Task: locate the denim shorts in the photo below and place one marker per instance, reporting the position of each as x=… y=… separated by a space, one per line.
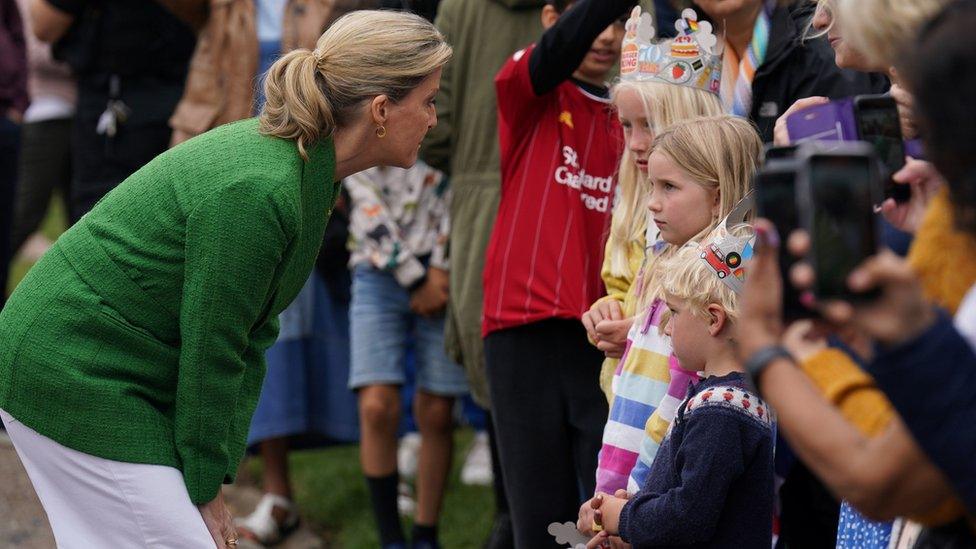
x=381 y=325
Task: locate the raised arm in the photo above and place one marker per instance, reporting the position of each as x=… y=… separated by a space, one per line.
x=564 y=45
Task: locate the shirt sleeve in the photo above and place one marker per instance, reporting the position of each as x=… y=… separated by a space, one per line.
x=564 y=45
x=373 y=230
x=617 y=286
x=657 y=425
x=235 y=240
x=842 y=382
x=931 y=382
x=518 y=105
x=712 y=455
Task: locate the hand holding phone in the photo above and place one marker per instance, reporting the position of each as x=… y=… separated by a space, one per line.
x=775 y=185
x=836 y=194
x=878 y=124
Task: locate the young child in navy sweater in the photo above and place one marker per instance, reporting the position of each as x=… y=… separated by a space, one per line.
x=711 y=484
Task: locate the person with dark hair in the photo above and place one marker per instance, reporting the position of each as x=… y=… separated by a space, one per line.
x=560 y=146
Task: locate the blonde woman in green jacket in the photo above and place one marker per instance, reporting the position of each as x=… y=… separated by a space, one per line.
x=132 y=355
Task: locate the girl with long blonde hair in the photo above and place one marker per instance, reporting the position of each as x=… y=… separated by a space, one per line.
x=645 y=108
x=697 y=172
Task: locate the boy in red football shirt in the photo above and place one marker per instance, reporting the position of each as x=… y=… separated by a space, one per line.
x=560 y=147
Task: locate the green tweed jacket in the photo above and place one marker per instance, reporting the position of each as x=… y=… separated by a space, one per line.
x=140 y=336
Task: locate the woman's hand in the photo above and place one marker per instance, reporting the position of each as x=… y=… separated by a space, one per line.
x=803 y=340
x=431 y=298
x=781 y=136
x=898 y=315
x=925 y=183
x=605 y=309
x=219 y=522
x=612 y=336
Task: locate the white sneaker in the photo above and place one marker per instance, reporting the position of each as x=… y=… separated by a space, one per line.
x=477 y=465
x=408 y=455
x=406 y=504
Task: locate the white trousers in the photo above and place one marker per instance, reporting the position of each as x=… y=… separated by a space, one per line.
x=95 y=503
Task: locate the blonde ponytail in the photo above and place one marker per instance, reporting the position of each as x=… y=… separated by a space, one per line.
x=296 y=105
x=364 y=54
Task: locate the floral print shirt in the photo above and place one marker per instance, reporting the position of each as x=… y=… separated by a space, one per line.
x=399 y=218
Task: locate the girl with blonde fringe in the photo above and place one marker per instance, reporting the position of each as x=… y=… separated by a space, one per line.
x=698 y=171
x=644 y=109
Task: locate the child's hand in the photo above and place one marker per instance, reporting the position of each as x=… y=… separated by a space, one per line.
x=612 y=336
x=603 y=540
x=588 y=515
x=607 y=309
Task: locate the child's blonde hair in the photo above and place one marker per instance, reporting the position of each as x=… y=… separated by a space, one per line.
x=718 y=152
x=664 y=105
x=687 y=277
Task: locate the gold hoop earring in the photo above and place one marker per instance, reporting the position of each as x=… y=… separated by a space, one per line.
x=381 y=131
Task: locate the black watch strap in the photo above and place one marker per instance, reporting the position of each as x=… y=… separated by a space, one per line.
x=756 y=364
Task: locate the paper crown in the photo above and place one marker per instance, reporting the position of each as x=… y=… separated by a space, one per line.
x=693 y=58
x=730 y=246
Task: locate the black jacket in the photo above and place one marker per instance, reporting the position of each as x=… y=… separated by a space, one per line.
x=795 y=68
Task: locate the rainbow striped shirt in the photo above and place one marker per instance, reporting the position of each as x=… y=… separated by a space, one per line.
x=639 y=383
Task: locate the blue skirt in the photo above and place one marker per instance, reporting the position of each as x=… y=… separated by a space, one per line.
x=305 y=392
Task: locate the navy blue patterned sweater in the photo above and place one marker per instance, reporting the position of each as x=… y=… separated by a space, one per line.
x=711 y=484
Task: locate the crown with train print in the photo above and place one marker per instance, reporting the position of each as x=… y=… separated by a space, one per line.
x=693 y=58
x=730 y=246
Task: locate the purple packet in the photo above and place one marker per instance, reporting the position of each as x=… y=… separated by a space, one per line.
x=832 y=121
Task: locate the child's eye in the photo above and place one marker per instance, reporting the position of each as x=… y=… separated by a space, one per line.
x=669 y=187
x=626 y=125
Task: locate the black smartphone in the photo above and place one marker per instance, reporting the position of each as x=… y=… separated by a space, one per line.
x=878 y=124
x=775 y=186
x=773 y=152
x=836 y=193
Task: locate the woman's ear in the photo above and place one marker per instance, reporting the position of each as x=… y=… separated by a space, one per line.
x=717 y=204
x=718 y=319
x=379 y=109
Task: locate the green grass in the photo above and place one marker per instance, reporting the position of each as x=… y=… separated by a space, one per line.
x=330 y=490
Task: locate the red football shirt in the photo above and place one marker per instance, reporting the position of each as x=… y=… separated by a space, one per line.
x=559 y=157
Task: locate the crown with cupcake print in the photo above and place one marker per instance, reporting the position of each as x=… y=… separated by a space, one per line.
x=693 y=58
